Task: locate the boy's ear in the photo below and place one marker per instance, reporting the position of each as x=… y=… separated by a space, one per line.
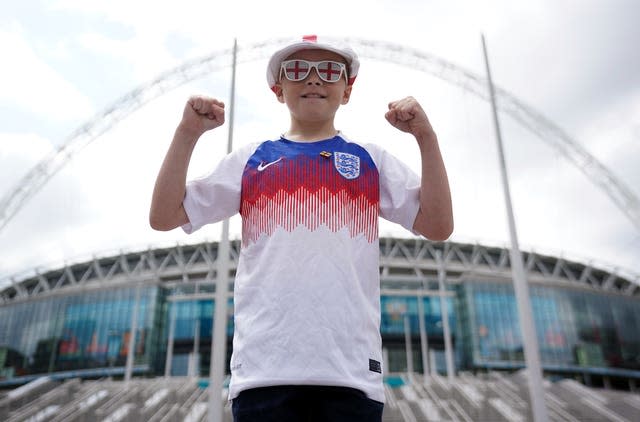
x=277 y=89
x=346 y=95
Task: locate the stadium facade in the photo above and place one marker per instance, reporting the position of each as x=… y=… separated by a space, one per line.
x=443 y=305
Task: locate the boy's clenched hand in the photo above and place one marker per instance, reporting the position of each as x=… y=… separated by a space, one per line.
x=202 y=114
x=408 y=116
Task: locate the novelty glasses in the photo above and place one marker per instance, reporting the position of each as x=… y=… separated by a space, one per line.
x=297 y=70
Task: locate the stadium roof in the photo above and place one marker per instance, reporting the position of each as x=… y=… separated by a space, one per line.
x=404 y=263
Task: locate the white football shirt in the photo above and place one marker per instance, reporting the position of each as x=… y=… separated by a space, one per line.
x=307 y=287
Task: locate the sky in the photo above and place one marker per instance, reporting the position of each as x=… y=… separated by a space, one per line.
x=574 y=62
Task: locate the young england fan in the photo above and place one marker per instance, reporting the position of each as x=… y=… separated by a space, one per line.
x=307 y=342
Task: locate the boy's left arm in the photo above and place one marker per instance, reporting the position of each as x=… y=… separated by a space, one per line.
x=435 y=216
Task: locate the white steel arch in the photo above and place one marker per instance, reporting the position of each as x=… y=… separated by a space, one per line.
x=507 y=103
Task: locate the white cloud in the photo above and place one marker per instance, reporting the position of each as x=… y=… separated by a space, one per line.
x=27 y=82
x=146 y=55
x=100 y=201
x=19 y=152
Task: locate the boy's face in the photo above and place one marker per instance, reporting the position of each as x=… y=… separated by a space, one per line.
x=313 y=99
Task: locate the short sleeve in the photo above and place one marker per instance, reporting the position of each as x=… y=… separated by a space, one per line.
x=399 y=188
x=216 y=196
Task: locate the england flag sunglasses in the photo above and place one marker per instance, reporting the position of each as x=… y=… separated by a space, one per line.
x=297 y=70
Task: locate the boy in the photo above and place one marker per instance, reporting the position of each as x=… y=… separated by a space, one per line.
x=306 y=294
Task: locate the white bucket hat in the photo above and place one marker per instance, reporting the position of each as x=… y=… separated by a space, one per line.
x=312 y=42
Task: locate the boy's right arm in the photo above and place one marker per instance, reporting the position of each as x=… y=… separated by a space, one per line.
x=200 y=115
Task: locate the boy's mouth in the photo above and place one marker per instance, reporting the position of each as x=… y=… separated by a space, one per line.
x=313 y=95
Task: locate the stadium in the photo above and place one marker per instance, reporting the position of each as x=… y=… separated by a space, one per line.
x=78 y=321
x=94 y=339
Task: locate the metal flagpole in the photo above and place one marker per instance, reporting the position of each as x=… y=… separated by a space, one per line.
x=219 y=337
x=529 y=338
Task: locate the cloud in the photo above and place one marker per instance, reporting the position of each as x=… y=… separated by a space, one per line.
x=34 y=233
x=27 y=82
x=540 y=51
x=20 y=151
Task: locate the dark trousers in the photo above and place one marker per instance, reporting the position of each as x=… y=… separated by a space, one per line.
x=294 y=403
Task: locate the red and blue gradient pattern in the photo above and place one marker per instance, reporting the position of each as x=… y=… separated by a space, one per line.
x=289 y=184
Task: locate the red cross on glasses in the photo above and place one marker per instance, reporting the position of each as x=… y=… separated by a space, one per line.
x=297 y=70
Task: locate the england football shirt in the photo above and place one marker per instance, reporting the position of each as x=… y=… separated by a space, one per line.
x=307 y=289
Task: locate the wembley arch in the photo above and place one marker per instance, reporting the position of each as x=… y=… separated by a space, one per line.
x=624 y=199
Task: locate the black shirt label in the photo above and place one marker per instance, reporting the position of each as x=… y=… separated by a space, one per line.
x=375 y=366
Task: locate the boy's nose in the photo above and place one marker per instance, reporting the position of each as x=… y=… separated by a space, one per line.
x=313 y=78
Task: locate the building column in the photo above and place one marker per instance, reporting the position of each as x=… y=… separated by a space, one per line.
x=407 y=343
x=132 y=336
x=424 y=340
x=444 y=310
x=172 y=327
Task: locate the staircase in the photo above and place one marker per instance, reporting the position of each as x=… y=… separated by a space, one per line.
x=413 y=398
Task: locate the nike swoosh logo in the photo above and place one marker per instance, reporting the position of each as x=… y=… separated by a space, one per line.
x=263 y=166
